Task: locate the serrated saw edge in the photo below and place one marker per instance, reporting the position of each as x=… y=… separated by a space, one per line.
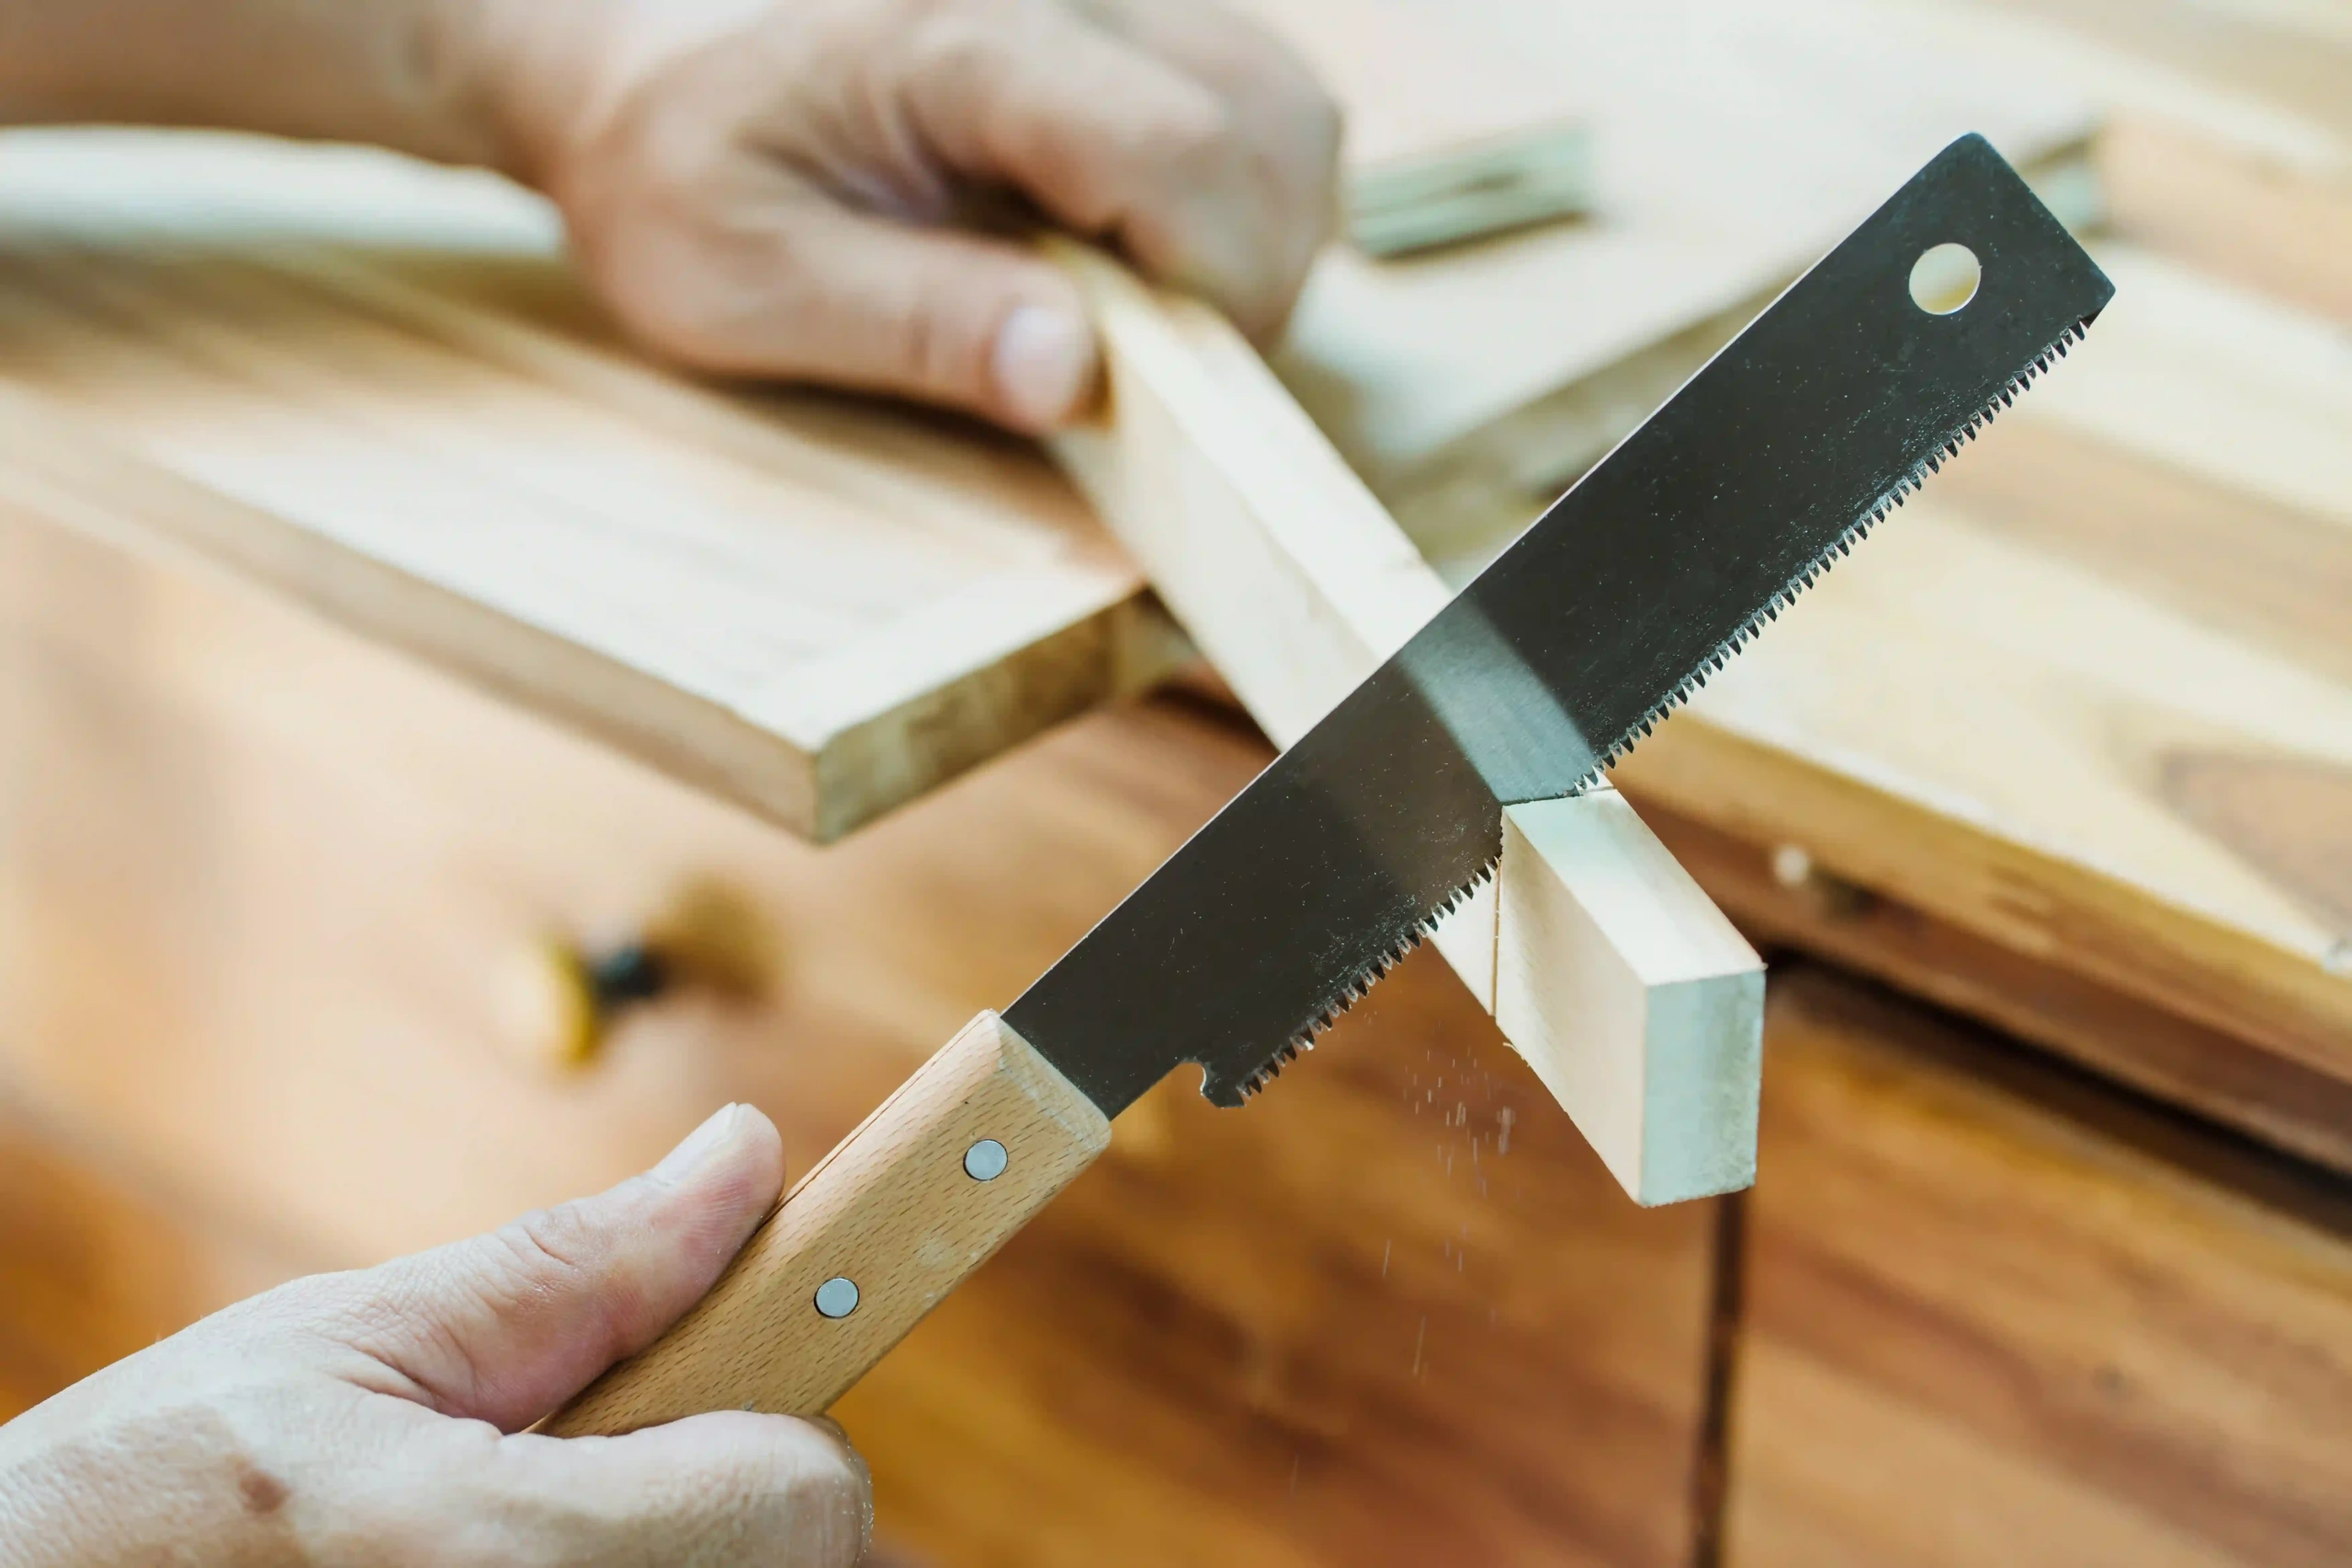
x=1878 y=512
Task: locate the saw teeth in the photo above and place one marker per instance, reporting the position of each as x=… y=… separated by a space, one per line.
x=1361 y=986
x=1902 y=490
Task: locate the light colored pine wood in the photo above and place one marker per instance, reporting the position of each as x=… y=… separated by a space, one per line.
x=2294 y=54
x=896 y=1209
x=1297 y=585
x=1594 y=909
x=1253 y=529
x=1997 y=1317
x=819 y=607
x=2220 y=383
x=2231 y=211
x=1446 y=140
x=2125 y=71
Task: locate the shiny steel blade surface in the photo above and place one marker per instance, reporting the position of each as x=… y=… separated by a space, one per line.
x=1657 y=567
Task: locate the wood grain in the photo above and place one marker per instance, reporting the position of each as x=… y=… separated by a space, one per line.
x=2257 y=221
x=1400 y=1277
x=1297 y=585
x=1395 y=1313
x=819 y=607
x=1594 y=938
x=2105 y=718
x=894 y=1211
x=1784 y=903
x=2268 y=575
x=2296 y=55
x=2047 y=834
x=2216 y=383
x=1736 y=144
x=2017 y=1321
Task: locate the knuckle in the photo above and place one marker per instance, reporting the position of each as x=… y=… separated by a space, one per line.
x=551 y=1246
x=934 y=340
x=695 y=289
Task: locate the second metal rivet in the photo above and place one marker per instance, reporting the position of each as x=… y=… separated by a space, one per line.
x=837 y=1297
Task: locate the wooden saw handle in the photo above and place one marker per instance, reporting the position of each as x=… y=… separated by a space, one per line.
x=902 y=1210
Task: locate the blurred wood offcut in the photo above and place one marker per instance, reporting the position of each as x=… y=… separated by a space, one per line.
x=443 y=756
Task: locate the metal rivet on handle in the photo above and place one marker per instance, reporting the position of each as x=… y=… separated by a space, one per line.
x=986 y=1160
x=837 y=1297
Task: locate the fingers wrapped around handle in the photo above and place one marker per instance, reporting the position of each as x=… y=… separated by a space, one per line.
x=923 y=1192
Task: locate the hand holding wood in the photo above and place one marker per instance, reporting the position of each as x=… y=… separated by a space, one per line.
x=773 y=189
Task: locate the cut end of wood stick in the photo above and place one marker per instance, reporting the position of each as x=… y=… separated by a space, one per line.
x=1632 y=996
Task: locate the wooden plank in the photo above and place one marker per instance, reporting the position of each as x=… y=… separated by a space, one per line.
x=1736 y=144
x=2225 y=388
x=2144 y=651
x=2230 y=212
x=2000 y=1315
x=2184 y=852
x=2123 y=71
x=1396 y=1308
x=1297 y=585
x=821 y=608
x=2296 y=54
x=1783 y=901
x=1446 y=139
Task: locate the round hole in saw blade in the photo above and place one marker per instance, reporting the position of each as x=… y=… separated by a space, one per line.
x=1944 y=278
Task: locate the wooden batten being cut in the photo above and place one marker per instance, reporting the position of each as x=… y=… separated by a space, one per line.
x=1594 y=909
x=1627 y=991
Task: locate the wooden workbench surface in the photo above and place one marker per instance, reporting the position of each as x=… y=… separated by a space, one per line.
x=2089 y=700
x=377 y=389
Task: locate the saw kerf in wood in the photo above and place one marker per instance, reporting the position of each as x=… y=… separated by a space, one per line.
x=1606 y=967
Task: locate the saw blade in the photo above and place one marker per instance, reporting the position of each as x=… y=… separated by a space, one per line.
x=1661 y=563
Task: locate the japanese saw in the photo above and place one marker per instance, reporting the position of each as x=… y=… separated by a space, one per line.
x=1659 y=565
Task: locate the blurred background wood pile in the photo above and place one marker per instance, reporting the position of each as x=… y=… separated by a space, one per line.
x=2042 y=803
